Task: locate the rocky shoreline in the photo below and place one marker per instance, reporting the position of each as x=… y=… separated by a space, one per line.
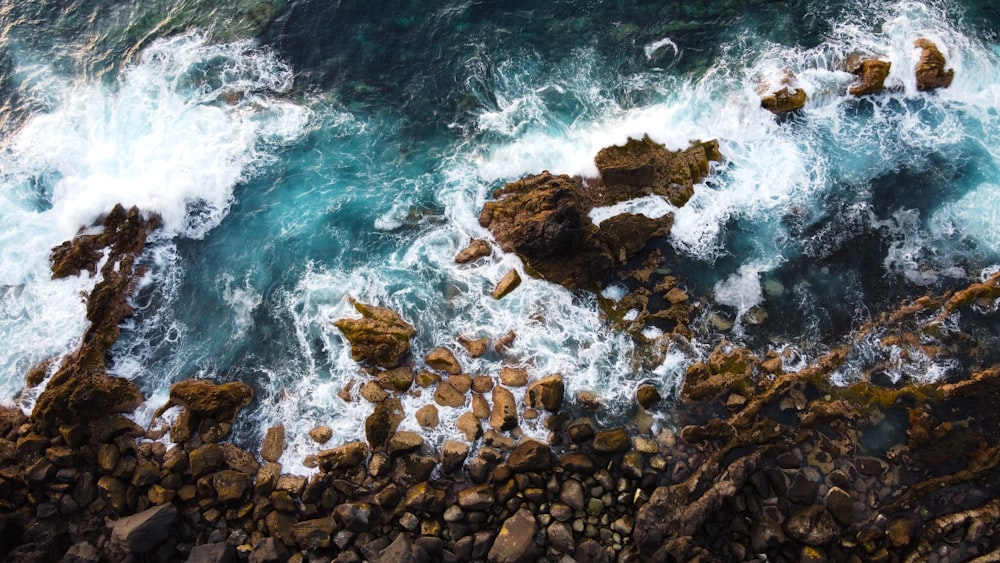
x=765 y=457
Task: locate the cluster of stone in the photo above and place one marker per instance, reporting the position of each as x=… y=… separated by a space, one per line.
x=787 y=96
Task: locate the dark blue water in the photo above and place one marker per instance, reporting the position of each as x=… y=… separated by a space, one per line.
x=308 y=152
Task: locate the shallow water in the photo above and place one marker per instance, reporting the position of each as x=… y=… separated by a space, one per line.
x=348 y=150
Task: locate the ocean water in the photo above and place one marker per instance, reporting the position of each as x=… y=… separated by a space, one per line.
x=306 y=152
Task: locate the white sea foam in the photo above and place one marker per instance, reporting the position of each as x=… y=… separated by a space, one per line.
x=175 y=134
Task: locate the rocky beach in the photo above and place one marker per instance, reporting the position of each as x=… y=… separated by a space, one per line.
x=505 y=283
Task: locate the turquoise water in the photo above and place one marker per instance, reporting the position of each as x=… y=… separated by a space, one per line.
x=345 y=149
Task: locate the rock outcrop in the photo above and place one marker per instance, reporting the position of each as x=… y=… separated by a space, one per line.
x=783 y=96
x=81 y=390
x=930 y=70
x=545 y=219
x=871 y=75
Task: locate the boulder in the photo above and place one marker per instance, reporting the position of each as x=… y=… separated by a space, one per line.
x=382 y=423
x=648 y=396
x=447 y=396
x=141 y=532
x=515 y=543
x=269 y=550
x=530 y=456
x=930 y=71
x=442 y=359
x=479 y=497
x=380 y=336
x=230 y=485
x=427 y=416
x=507 y=284
x=871 y=75
x=513 y=377
x=274 y=443
x=313 y=534
x=453 y=455
x=397 y=379
x=347 y=456
x=476 y=249
x=546 y=393
x=782 y=95
x=210 y=400
x=812 y=525
x=355 y=516
x=468 y=424
x=504 y=414
x=476 y=347
x=615 y=440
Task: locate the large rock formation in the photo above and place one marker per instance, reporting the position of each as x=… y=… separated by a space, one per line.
x=545 y=218
x=871 y=75
x=81 y=390
x=930 y=71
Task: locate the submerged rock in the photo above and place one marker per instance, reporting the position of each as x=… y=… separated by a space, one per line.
x=380 y=336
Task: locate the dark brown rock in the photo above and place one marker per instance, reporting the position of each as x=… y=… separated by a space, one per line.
x=380 y=336
x=648 y=396
x=142 y=532
x=930 y=71
x=530 y=456
x=219 y=552
x=546 y=393
x=479 y=497
x=783 y=97
x=382 y=423
x=453 y=455
x=813 y=526
x=515 y=543
x=347 y=456
x=313 y=534
x=269 y=550
x=615 y=440
x=397 y=379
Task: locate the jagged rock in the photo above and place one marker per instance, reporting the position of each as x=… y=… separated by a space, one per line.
x=209 y=400
x=591 y=551
x=516 y=541
x=476 y=347
x=142 y=532
x=230 y=485
x=479 y=497
x=442 y=359
x=871 y=75
x=404 y=442
x=546 y=393
x=784 y=96
x=402 y=550
x=424 y=498
x=545 y=218
x=313 y=534
x=274 y=443
x=504 y=414
x=476 y=249
x=380 y=336
x=382 y=423
x=354 y=516
x=82 y=552
x=530 y=455
x=930 y=71
x=507 y=284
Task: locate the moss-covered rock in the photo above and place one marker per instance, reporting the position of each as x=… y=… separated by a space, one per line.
x=380 y=336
